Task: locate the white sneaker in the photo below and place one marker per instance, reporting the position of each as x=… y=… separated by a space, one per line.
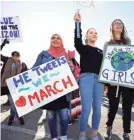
x=55 y=139
x=82 y=138
x=108 y=133
x=126 y=136
x=63 y=137
x=95 y=138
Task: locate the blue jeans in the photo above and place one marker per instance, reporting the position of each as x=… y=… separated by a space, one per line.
x=91 y=92
x=52 y=122
x=13 y=112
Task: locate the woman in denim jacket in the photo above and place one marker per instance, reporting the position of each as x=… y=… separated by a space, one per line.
x=60 y=105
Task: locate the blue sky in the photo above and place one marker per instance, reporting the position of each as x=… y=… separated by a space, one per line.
x=123 y=10
x=39 y=20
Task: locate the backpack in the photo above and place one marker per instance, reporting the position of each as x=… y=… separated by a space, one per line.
x=24 y=67
x=76 y=71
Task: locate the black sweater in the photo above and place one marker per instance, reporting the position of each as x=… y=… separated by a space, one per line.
x=90 y=57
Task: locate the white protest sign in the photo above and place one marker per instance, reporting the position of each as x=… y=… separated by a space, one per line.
x=118 y=66
x=10 y=28
x=41 y=85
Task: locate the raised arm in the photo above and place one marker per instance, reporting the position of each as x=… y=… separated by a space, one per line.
x=4 y=58
x=5 y=41
x=78 y=39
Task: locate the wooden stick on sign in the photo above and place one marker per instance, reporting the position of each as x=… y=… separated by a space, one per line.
x=117 y=91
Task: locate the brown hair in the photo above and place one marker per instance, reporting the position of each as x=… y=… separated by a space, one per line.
x=124 y=37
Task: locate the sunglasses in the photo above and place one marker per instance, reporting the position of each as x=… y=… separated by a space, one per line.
x=118 y=23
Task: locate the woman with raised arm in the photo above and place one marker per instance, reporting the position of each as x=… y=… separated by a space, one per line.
x=91 y=90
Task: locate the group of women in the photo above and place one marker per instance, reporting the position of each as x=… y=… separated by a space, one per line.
x=91 y=90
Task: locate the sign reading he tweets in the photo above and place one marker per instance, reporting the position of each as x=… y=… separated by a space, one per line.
x=10 y=28
x=41 y=85
x=118 y=66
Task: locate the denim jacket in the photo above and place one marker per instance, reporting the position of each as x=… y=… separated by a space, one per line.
x=42 y=58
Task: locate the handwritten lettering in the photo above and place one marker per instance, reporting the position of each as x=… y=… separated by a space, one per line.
x=11 y=34
x=50 y=90
x=7 y=20
x=117 y=76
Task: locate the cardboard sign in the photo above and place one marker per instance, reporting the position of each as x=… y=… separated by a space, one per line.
x=10 y=28
x=41 y=85
x=118 y=66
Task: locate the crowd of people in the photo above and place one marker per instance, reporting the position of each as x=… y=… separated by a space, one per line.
x=90 y=92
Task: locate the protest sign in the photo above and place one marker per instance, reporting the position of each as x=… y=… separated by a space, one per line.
x=10 y=28
x=41 y=85
x=118 y=66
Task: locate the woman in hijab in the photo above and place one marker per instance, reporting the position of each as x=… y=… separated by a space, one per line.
x=60 y=105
